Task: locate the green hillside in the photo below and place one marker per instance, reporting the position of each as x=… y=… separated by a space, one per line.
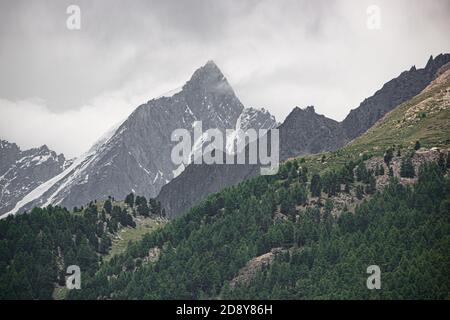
x=311 y=231
x=36 y=248
x=424 y=118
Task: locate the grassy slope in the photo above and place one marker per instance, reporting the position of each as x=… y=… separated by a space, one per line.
x=120 y=241
x=126 y=235
x=424 y=118
x=143 y=226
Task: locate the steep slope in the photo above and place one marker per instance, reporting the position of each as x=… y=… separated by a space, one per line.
x=136 y=157
x=424 y=118
x=303 y=132
x=398 y=90
x=270 y=237
x=22 y=171
x=306 y=132
x=326 y=252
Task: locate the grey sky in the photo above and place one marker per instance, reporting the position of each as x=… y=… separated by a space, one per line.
x=65 y=88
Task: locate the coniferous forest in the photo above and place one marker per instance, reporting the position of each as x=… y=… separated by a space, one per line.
x=318 y=251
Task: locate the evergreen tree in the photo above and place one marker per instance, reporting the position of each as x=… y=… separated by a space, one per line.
x=361 y=172
x=143 y=209
x=359 y=192
x=391 y=172
x=140 y=200
x=407 y=168
x=371 y=186
x=388 y=155
x=448 y=160
x=417 y=145
x=316 y=186
x=129 y=200
x=441 y=162
x=107 y=206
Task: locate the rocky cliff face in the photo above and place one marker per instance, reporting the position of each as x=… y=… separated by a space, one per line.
x=303 y=132
x=393 y=93
x=136 y=156
x=22 y=171
x=306 y=132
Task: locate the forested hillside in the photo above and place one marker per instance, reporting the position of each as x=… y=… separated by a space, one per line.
x=322 y=220
x=308 y=232
x=405 y=230
x=37 y=247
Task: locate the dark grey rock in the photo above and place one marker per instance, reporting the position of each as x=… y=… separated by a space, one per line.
x=393 y=93
x=22 y=171
x=306 y=132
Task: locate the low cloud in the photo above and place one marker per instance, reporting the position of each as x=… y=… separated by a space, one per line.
x=275 y=54
x=30 y=123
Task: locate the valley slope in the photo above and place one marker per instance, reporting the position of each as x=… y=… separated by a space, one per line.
x=311 y=245
x=303 y=132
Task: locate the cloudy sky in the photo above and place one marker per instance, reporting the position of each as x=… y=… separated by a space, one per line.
x=65 y=88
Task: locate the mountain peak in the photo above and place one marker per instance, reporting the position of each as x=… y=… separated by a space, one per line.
x=211 y=63
x=435 y=63
x=206 y=76
x=310 y=109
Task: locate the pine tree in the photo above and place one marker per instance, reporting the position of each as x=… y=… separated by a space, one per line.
x=448 y=160
x=316 y=186
x=143 y=209
x=441 y=162
x=391 y=172
x=417 y=145
x=361 y=172
x=107 y=206
x=407 y=168
x=388 y=156
x=359 y=192
x=140 y=200
x=129 y=200
x=371 y=186
x=347 y=188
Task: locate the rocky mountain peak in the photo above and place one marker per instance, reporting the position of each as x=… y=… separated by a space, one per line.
x=136 y=157
x=303 y=114
x=310 y=109
x=43 y=148
x=209 y=96
x=22 y=171
x=304 y=131
x=206 y=77
x=434 y=64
